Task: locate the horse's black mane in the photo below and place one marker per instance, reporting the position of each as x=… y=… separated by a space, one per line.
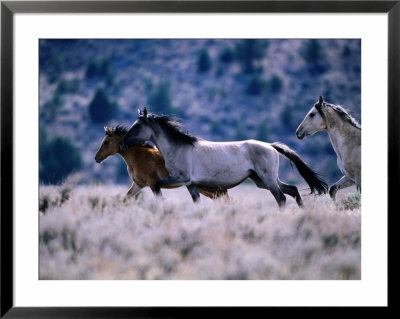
x=122 y=130
x=342 y=112
x=173 y=128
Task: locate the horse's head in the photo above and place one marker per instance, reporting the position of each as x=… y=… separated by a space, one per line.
x=139 y=132
x=109 y=146
x=314 y=120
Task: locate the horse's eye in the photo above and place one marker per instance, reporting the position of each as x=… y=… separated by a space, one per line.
x=106 y=142
x=312 y=114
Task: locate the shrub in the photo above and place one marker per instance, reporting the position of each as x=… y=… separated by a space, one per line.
x=58 y=158
x=47 y=202
x=203 y=61
x=352 y=201
x=101 y=109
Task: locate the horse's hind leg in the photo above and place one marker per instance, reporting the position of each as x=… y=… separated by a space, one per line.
x=292 y=191
x=279 y=196
x=267 y=183
x=340 y=184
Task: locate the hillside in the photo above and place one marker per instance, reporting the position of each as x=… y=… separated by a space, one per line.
x=221 y=89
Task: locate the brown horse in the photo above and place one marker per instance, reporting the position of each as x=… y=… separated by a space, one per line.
x=144 y=162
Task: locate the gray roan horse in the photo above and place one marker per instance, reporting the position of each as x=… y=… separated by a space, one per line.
x=345 y=135
x=195 y=162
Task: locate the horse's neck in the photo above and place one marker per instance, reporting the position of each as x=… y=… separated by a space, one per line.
x=169 y=152
x=129 y=156
x=339 y=132
x=163 y=145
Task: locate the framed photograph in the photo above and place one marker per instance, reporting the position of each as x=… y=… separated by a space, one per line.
x=165 y=157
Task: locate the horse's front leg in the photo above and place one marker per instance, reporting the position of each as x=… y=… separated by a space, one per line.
x=340 y=184
x=194 y=192
x=135 y=188
x=156 y=191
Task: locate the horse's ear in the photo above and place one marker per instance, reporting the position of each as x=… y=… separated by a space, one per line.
x=139 y=112
x=321 y=100
x=108 y=130
x=145 y=112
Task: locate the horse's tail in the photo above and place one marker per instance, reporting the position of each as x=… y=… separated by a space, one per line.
x=312 y=178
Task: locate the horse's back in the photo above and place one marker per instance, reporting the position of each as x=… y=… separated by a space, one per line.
x=230 y=161
x=227 y=152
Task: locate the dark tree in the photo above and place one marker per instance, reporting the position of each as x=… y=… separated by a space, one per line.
x=58 y=158
x=227 y=55
x=263 y=132
x=248 y=52
x=98 y=69
x=203 y=61
x=160 y=99
x=255 y=86
x=101 y=109
x=275 y=84
x=314 y=56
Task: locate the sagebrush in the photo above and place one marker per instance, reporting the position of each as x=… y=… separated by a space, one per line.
x=90 y=232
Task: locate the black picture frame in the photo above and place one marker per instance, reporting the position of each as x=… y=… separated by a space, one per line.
x=9 y=8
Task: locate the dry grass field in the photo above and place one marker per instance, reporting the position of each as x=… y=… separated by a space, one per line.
x=89 y=232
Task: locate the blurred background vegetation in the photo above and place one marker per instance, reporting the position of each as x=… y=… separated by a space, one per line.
x=222 y=90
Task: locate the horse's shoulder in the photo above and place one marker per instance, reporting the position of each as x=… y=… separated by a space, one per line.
x=155 y=154
x=153 y=159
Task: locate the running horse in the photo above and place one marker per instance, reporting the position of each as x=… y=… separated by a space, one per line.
x=192 y=161
x=144 y=162
x=345 y=135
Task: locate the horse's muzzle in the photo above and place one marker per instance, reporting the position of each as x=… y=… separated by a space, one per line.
x=97 y=160
x=299 y=136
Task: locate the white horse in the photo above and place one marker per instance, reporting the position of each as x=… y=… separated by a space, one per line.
x=345 y=135
x=192 y=161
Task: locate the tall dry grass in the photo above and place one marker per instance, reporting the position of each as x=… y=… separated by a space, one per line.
x=89 y=232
